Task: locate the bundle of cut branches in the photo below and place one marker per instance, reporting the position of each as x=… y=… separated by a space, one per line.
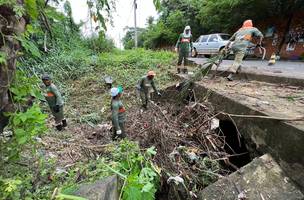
x=203 y=70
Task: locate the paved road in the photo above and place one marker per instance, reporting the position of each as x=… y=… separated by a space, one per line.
x=281 y=68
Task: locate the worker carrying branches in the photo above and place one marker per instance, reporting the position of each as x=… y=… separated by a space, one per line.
x=183 y=47
x=241 y=40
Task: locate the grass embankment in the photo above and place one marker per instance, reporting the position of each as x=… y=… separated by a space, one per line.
x=84 y=152
x=88 y=97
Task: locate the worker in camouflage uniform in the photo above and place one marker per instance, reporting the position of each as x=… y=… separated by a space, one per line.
x=145 y=86
x=183 y=47
x=118 y=114
x=55 y=101
x=241 y=40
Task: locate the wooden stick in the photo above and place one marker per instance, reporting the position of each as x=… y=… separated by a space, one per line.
x=265 y=117
x=160 y=110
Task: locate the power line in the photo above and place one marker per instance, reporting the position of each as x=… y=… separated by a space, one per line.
x=135 y=25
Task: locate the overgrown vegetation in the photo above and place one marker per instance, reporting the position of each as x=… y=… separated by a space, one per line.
x=140 y=177
x=126 y=68
x=28 y=171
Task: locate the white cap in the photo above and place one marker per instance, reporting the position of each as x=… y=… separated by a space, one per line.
x=187 y=28
x=114 y=92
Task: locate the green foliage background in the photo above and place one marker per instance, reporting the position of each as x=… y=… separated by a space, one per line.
x=209 y=16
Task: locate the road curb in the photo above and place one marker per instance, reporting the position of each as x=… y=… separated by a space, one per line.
x=282 y=80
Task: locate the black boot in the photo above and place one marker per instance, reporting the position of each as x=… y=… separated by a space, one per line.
x=185 y=71
x=64 y=123
x=59 y=127
x=239 y=69
x=178 y=70
x=145 y=107
x=230 y=77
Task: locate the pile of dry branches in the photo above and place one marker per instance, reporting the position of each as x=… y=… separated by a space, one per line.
x=187 y=142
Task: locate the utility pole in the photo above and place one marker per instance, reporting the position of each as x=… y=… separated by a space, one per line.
x=135 y=26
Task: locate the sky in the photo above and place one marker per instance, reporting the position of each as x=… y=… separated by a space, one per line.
x=122 y=17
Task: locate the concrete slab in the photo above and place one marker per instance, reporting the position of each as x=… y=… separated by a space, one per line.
x=262 y=179
x=106 y=189
x=283 y=140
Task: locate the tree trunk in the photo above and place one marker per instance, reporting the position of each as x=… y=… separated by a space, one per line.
x=10 y=26
x=287 y=28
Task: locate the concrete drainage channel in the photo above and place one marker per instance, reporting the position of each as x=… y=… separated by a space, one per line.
x=267 y=154
x=274 y=162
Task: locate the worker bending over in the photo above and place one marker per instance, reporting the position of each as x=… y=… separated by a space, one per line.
x=145 y=86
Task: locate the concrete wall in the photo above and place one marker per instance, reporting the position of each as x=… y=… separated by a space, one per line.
x=282 y=140
x=296 y=34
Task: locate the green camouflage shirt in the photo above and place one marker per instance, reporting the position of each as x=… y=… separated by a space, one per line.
x=118 y=113
x=53 y=96
x=243 y=37
x=146 y=84
x=184 y=43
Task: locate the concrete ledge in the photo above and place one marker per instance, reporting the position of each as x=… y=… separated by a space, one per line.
x=261 y=179
x=267 y=77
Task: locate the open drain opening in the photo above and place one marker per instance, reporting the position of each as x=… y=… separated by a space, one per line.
x=235 y=144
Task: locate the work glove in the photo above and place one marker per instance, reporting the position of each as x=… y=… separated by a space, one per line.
x=118 y=132
x=176 y=49
x=159 y=94
x=56 y=108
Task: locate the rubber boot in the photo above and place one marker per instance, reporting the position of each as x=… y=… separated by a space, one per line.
x=230 y=77
x=59 y=127
x=64 y=123
x=178 y=70
x=239 y=69
x=145 y=107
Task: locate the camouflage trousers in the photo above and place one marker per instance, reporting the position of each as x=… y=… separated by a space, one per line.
x=58 y=115
x=145 y=98
x=182 y=57
x=239 y=55
x=122 y=128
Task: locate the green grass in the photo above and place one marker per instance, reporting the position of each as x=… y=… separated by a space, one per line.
x=127 y=67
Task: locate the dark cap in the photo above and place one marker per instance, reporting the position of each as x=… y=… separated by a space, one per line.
x=46 y=77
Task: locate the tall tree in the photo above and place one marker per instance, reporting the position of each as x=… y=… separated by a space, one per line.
x=12 y=24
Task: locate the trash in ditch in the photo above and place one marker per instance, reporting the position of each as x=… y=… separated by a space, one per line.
x=215 y=123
